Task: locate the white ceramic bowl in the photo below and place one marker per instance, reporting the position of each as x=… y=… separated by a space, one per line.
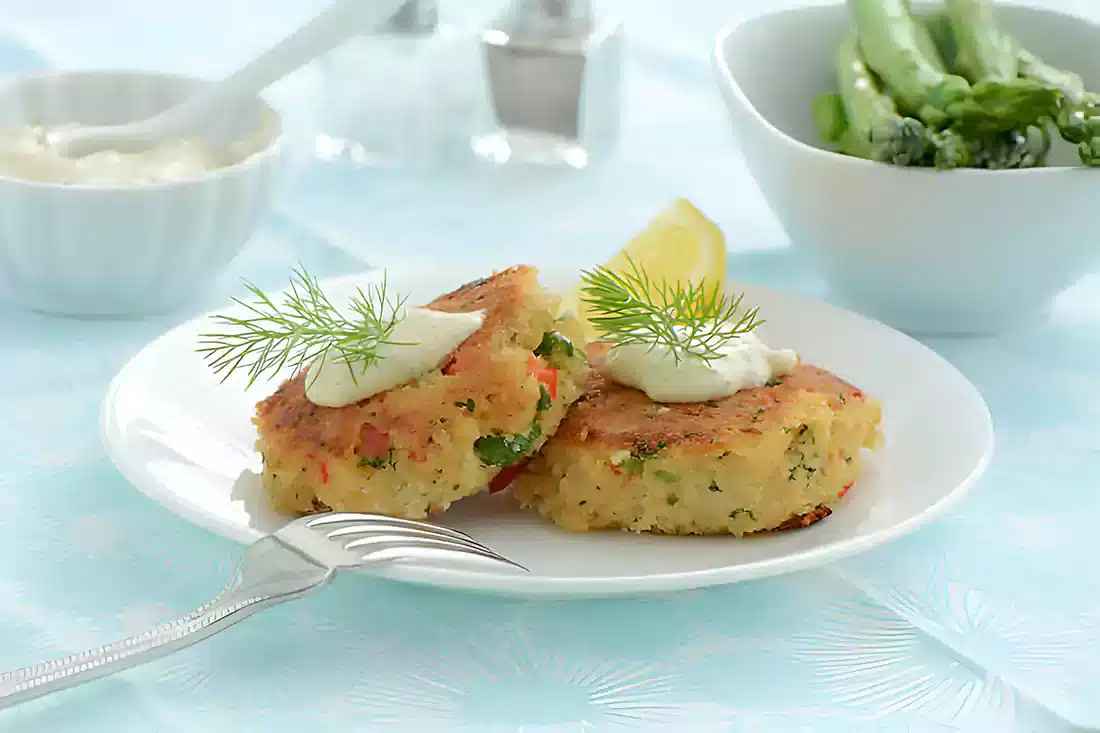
x=92 y=250
x=960 y=252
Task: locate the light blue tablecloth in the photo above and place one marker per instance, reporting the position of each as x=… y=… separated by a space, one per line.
x=988 y=621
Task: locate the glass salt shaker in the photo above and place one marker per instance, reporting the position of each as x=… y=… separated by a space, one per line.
x=554 y=74
x=406 y=96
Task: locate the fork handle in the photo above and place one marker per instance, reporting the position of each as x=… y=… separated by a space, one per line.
x=244 y=595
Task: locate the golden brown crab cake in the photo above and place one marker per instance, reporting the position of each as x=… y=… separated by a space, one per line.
x=414 y=449
x=776 y=457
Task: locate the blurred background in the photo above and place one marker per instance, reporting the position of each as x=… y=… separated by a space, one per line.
x=667 y=79
x=668 y=88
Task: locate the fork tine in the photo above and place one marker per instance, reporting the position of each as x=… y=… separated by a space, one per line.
x=400 y=534
x=378 y=538
x=380 y=520
x=319 y=520
x=395 y=544
x=410 y=532
x=398 y=553
x=416 y=530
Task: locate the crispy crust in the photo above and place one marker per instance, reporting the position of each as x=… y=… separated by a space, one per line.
x=503 y=297
x=801 y=521
x=612 y=417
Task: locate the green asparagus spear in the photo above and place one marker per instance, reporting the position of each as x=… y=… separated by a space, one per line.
x=1035 y=146
x=1028 y=65
x=1006 y=113
x=872 y=115
x=849 y=145
x=828 y=111
x=996 y=107
x=1078 y=118
x=1015 y=149
x=1012 y=149
x=902 y=141
x=952 y=150
x=939 y=30
x=832 y=126
x=983 y=52
x=1090 y=152
x=1078 y=123
x=901 y=52
x=1069 y=84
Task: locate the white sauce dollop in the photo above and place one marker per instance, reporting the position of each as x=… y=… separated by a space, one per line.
x=25 y=155
x=421 y=340
x=745 y=362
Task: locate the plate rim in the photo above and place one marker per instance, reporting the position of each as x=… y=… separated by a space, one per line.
x=518 y=585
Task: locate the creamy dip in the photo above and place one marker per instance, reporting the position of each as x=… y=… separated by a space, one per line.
x=419 y=343
x=744 y=362
x=25 y=155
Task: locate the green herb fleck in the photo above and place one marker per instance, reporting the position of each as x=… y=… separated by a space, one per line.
x=506 y=450
x=738 y=512
x=672 y=499
x=842 y=398
x=554 y=344
x=710 y=403
x=774 y=382
x=667 y=476
x=378 y=461
x=544 y=399
x=725 y=454
x=796 y=452
x=640 y=455
x=802 y=464
x=848 y=459
x=715 y=487
x=646 y=452
x=467 y=405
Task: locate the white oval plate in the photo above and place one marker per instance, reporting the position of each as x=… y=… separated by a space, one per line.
x=186 y=440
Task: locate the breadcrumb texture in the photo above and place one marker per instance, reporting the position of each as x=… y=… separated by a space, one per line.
x=410 y=451
x=772 y=458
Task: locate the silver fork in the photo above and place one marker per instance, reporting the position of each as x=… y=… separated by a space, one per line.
x=296 y=560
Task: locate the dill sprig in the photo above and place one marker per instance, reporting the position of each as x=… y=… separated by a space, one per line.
x=302 y=329
x=688 y=319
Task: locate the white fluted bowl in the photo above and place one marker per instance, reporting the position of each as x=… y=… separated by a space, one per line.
x=126 y=250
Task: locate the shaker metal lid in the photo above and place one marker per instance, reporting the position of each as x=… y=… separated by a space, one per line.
x=415 y=16
x=544 y=14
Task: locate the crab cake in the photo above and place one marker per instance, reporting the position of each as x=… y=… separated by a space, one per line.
x=774 y=457
x=414 y=449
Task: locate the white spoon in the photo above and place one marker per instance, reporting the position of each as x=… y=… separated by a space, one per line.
x=329 y=29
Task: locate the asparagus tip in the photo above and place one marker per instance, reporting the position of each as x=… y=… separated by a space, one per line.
x=952 y=151
x=904 y=142
x=1089 y=152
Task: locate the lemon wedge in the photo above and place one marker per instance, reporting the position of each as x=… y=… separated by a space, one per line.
x=679 y=245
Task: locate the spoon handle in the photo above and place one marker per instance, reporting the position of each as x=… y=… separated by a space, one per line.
x=328 y=29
